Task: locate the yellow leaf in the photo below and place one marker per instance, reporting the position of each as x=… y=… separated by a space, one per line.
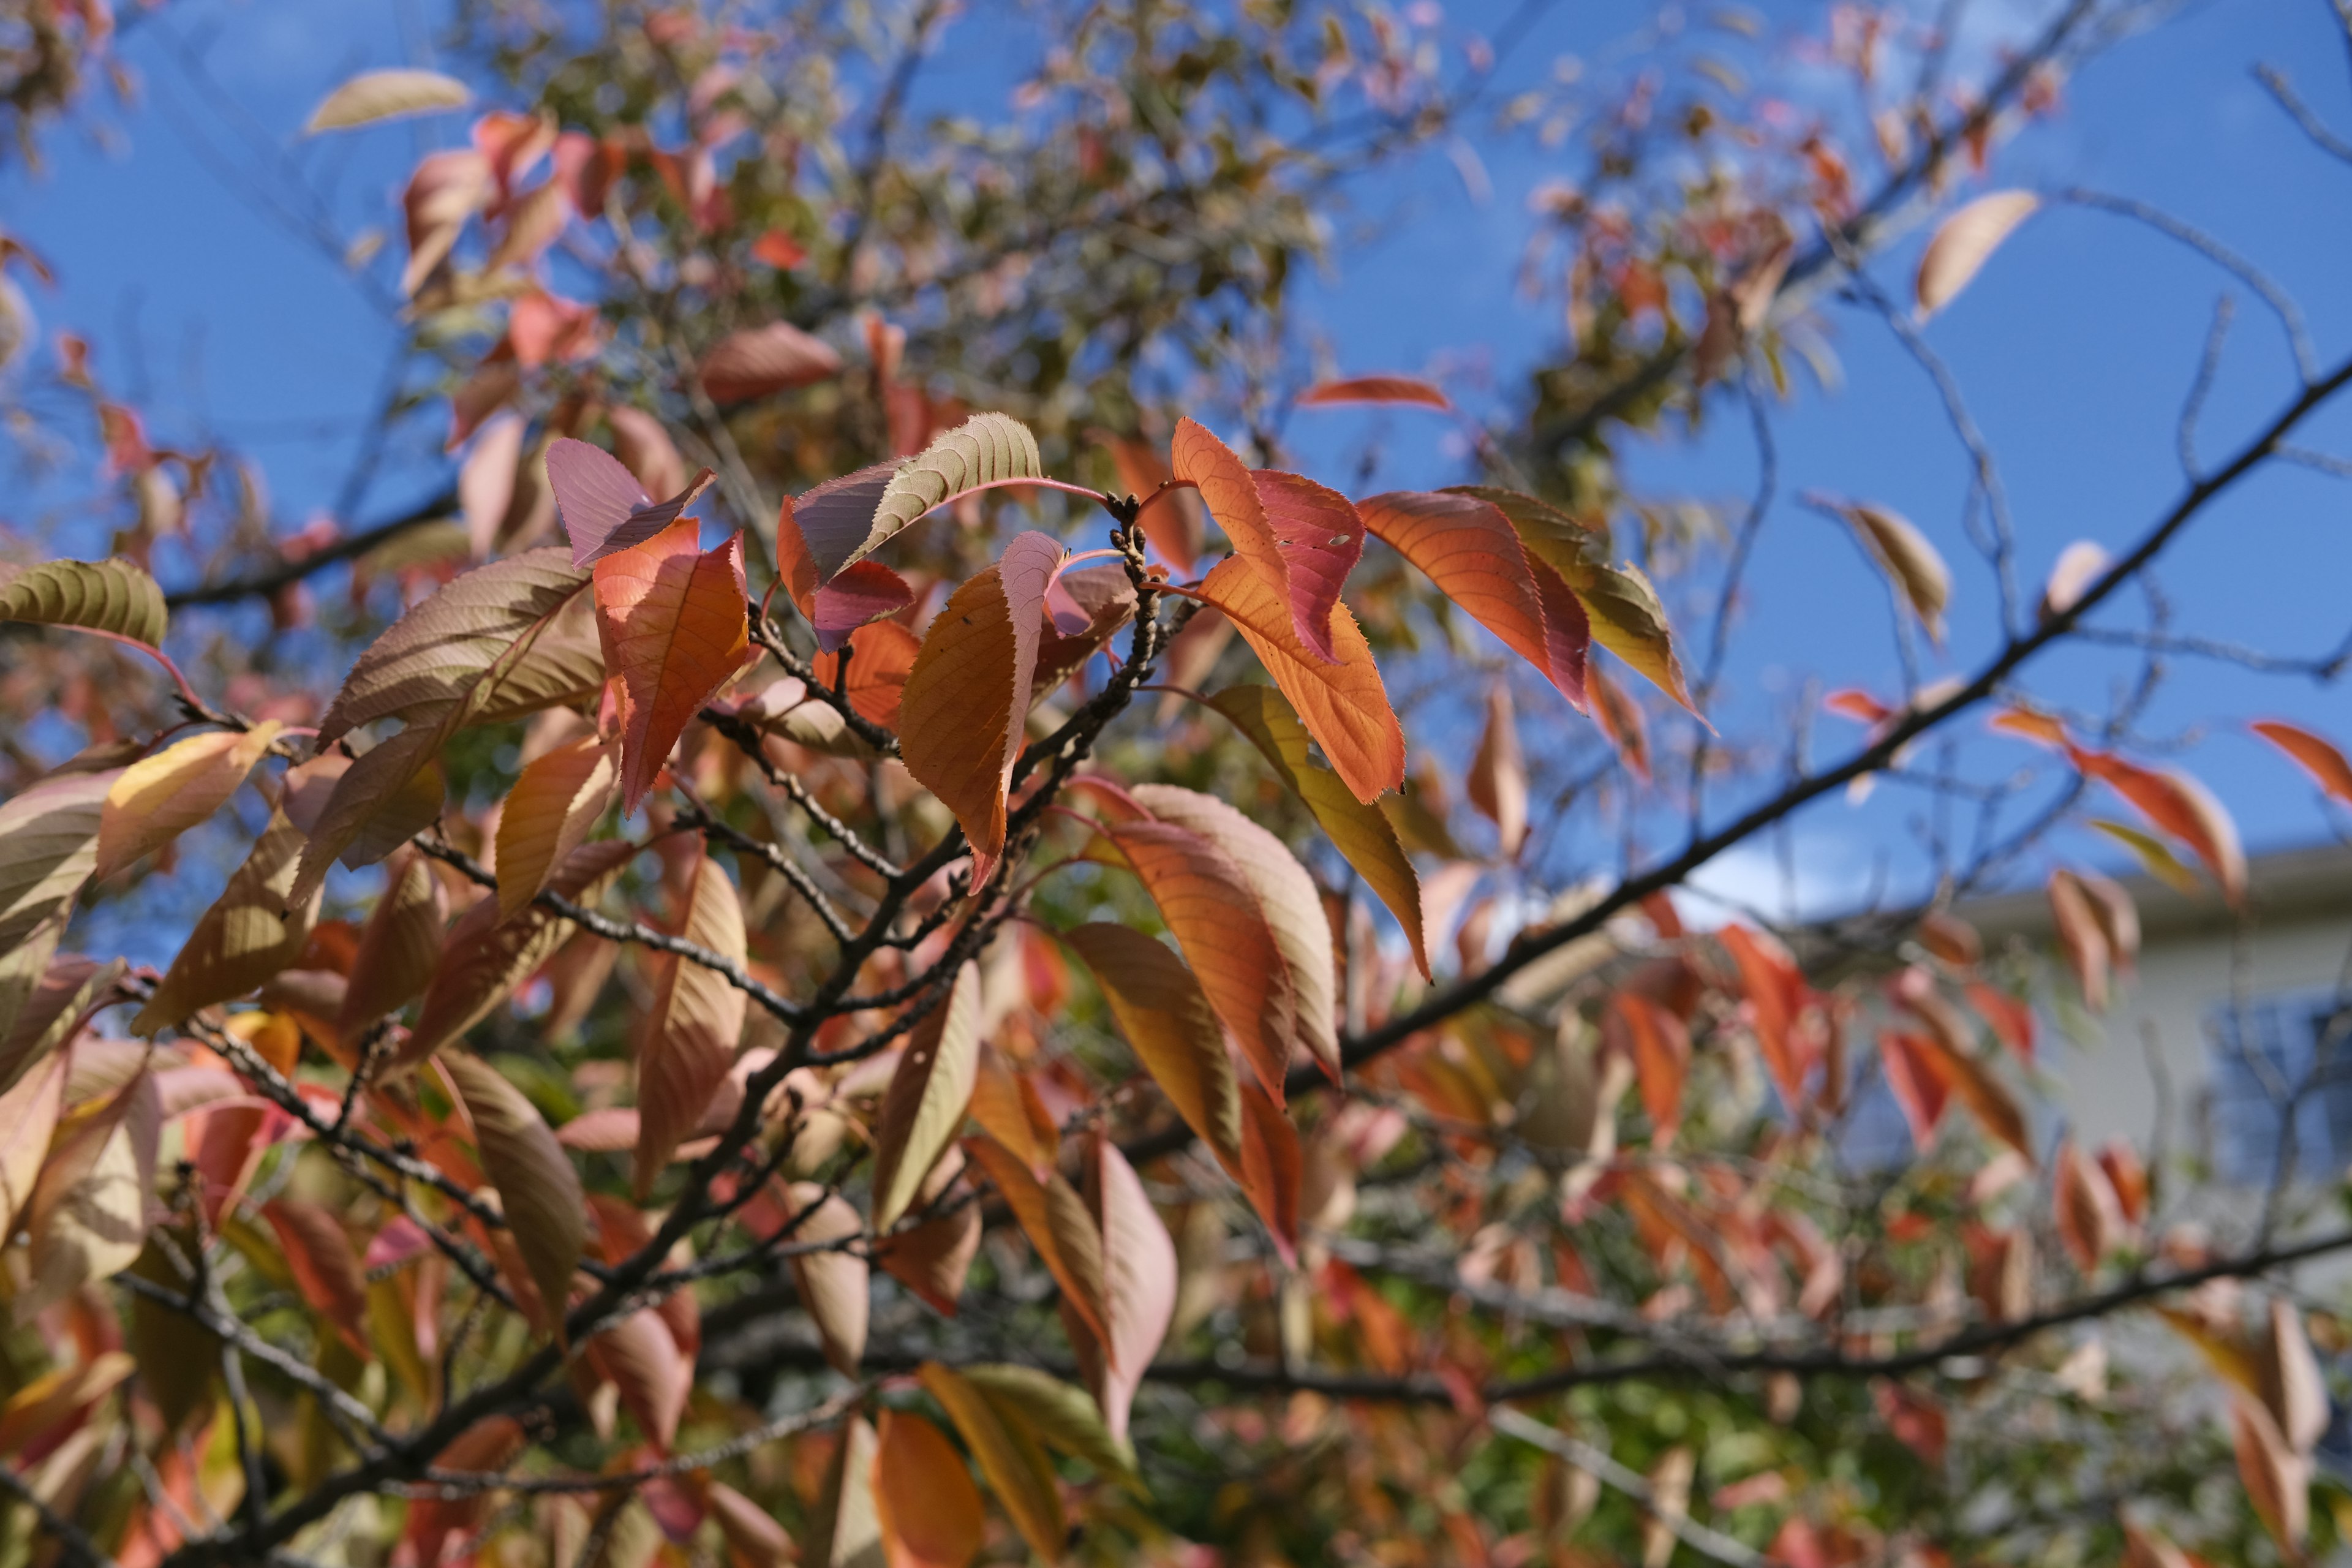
x=158 y=798
x=248 y=935
x=547 y=815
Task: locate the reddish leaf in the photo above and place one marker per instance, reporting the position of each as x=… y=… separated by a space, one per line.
x=2088 y=1218
x=1058 y=1225
x=881 y=657
x=1139 y=1281
x=1231 y=493
x=2277 y=1479
x=672 y=620
x=1914 y=1079
x=325 y=1268
x=2180 y=805
x=759 y=361
x=601 y=508
x=1497 y=780
x=1320 y=539
x=865 y=591
x=1215 y=913
x=2319 y=756
x=485 y=958
x=1344 y=705
x=1272 y=1167
x=1288 y=902
x=1776 y=992
x=643 y=1361
x=1469 y=548
x=1173 y=523
x=2083 y=935
x=1661 y=1050
x=686 y=1039
x=967 y=696
x=1373 y=389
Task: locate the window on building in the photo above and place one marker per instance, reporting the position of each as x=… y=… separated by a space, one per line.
x=2275 y=1058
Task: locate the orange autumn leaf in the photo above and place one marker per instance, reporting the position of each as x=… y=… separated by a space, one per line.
x=966 y=695
x=672 y=619
x=930 y=1512
x=2318 y=756
x=1344 y=705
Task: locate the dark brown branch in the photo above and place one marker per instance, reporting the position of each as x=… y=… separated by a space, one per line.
x=261 y=585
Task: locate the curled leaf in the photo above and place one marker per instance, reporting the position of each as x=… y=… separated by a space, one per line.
x=546 y=1209
x=379 y=95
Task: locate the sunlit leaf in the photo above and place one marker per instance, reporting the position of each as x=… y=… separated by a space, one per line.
x=2318 y=756
x=1212 y=907
x=1011 y=1459
x=113 y=597
x=1171 y=1028
x=881 y=657
x=967 y=696
x=379 y=95
x=557 y=801
x=1962 y=244
x=48 y=847
x=159 y=798
x=673 y=620
x=1360 y=832
x=1344 y=705
x=249 y=934
x=1287 y=898
x=923 y=1109
x=599 y=503
x=1622 y=610
x=2155 y=856
x=1910 y=562
x=1467 y=546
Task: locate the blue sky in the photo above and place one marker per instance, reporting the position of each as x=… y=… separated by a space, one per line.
x=2074 y=346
